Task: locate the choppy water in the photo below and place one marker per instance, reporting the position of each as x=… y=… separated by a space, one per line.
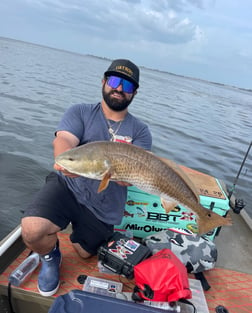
x=196 y=123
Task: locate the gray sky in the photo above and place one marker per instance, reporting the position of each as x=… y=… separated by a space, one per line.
x=208 y=39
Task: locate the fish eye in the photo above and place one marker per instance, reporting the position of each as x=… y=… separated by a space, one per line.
x=71 y=159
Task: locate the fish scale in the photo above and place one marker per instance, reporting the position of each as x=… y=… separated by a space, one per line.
x=139 y=174
x=105 y=161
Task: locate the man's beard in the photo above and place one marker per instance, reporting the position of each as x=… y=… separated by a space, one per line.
x=113 y=103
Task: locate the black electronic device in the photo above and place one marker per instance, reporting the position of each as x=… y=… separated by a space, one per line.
x=120 y=254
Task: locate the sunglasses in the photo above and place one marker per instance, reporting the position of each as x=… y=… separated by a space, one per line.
x=127 y=86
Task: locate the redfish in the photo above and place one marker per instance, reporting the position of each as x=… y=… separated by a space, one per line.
x=105 y=161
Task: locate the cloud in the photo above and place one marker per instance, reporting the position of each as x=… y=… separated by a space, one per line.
x=188 y=37
x=156 y=21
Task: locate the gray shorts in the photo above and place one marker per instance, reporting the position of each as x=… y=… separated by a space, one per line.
x=57 y=203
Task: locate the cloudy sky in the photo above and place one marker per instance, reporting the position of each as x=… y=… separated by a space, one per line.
x=207 y=39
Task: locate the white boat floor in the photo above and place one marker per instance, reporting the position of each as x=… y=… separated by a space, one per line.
x=234 y=245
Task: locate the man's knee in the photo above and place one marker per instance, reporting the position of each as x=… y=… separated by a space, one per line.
x=35 y=228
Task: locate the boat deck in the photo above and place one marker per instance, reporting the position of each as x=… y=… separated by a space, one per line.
x=234 y=246
x=72 y=266
x=229 y=288
x=230 y=281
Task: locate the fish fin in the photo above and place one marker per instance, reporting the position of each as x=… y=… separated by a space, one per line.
x=229 y=221
x=183 y=176
x=168 y=205
x=104 y=182
x=212 y=220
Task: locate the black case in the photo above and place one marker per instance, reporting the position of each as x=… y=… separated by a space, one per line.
x=120 y=254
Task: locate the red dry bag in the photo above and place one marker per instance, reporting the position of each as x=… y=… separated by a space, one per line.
x=162 y=277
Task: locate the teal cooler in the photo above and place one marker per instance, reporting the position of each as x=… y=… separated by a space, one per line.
x=144 y=214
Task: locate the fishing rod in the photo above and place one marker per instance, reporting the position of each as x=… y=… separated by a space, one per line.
x=239 y=203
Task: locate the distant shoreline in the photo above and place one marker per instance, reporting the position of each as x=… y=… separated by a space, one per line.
x=108 y=59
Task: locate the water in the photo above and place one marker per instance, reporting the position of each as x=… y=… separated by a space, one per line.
x=195 y=123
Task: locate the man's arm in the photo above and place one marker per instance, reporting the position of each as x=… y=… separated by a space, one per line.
x=64 y=141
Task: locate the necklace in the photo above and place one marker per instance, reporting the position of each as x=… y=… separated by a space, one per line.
x=112 y=131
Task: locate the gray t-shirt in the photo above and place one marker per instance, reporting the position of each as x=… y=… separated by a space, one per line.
x=88 y=123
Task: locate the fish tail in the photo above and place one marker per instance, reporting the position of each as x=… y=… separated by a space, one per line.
x=212 y=220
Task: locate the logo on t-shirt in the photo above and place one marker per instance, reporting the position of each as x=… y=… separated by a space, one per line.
x=118 y=138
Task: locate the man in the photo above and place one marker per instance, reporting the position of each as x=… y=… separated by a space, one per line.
x=66 y=197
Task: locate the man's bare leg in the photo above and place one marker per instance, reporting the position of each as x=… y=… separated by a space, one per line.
x=40 y=235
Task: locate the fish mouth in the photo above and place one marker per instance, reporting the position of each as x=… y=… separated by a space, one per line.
x=58 y=161
x=62 y=166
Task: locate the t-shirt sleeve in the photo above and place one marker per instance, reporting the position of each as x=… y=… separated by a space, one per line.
x=72 y=121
